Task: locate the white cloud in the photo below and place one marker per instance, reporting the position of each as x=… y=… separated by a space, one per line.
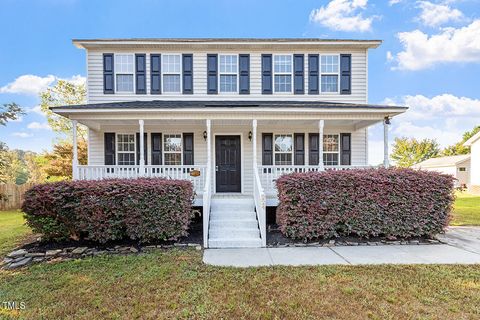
x=343 y=15
x=28 y=84
x=389 y=56
x=33 y=85
x=22 y=134
x=37 y=125
x=421 y=51
x=434 y=15
x=37 y=109
x=393 y=2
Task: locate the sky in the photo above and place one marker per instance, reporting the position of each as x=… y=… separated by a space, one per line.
x=429 y=59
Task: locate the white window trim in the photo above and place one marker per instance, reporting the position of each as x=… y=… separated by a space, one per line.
x=180 y=73
x=165 y=152
x=332 y=152
x=275 y=152
x=118 y=152
x=228 y=73
x=282 y=73
x=120 y=73
x=329 y=74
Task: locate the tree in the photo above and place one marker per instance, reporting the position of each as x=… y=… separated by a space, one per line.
x=409 y=151
x=10 y=111
x=459 y=148
x=63 y=93
x=59 y=161
x=36 y=164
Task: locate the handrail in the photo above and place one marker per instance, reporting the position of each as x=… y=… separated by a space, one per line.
x=206 y=208
x=260 y=206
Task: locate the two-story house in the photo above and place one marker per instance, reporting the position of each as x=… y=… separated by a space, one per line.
x=231 y=115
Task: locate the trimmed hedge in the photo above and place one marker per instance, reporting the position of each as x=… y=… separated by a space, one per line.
x=367 y=203
x=101 y=211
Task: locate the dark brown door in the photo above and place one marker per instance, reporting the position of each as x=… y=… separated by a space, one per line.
x=228 y=164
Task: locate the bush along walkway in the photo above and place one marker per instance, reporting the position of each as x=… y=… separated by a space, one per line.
x=24 y=257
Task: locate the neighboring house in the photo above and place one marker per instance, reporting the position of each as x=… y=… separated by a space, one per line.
x=474 y=144
x=231 y=115
x=457 y=166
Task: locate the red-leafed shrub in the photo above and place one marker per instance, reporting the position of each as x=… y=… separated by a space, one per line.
x=367 y=203
x=141 y=209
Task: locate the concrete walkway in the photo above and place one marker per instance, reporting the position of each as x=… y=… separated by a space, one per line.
x=463 y=247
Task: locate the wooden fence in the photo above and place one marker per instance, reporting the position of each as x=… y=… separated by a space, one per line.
x=14 y=194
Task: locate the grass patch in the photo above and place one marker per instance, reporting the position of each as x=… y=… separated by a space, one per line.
x=175 y=284
x=466 y=210
x=12 y=230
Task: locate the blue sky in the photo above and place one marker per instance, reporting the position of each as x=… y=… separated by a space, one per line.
x=429 y=59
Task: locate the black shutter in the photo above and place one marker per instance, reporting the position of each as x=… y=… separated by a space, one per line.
x=212 y=79
x=109 y=148
x=313 y=70
x=298 y=73
x=108 y=74
x=313 y=149
x=155 y=74
x=156 y=149
x=188 y=149
x=140 y=73
x=244 y=71
x=345 y=74
x=144 y=147
x=299 y=149
x=187 y=64
x=345 y=148
x=267 y=80
x=267 y=149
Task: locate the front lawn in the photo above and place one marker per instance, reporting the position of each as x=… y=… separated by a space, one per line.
x=466 y=210
x=12 y=230
x=175 y=284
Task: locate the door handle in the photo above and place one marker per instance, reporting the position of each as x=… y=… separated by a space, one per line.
x=216 y=168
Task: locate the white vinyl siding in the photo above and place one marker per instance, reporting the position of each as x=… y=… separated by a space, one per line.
x=95 y=92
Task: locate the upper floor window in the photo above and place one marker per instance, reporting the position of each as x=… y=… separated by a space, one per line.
x=126 y=149
x=283 y=149
x=172 y=146
x=171 y=70
x=331 y=149
x=228 y=73
x=282 y=69
x=329 y=71
x=124 y=72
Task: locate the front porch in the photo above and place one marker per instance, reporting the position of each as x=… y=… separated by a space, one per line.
x=234 y=150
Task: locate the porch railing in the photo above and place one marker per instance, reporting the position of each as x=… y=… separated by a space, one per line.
x=207 y=193
x=269 y=174
x=260 y=206
x=99 y=172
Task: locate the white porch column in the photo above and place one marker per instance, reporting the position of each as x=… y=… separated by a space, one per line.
x=75 y=151
x=254 y=143
x=321 y=124
x=142 y=148
x=209 y=145
x=386 y=162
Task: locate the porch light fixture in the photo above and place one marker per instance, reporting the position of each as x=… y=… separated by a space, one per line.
x=387 y=120
x=250 y=136
x=205 y=135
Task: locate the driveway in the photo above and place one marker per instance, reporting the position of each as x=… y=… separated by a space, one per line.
x=462 y=246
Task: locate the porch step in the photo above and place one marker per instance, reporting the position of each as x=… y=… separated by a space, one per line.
x=233 y=223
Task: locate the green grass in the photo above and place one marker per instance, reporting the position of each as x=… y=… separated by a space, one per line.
x=466 y=210
x=12 y=230
x=175 y=284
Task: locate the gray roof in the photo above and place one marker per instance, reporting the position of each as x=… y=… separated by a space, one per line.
x=178 y=104
x=443 y=161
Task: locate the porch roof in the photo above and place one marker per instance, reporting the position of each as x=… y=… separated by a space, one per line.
x=237 y=104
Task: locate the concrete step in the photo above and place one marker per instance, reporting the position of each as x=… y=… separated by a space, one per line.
x=234 y=243
x=245 y=223
x=234 y=233
x=239 y=215
x=233 y=207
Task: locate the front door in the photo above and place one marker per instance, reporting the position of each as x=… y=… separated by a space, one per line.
x=228 y=164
